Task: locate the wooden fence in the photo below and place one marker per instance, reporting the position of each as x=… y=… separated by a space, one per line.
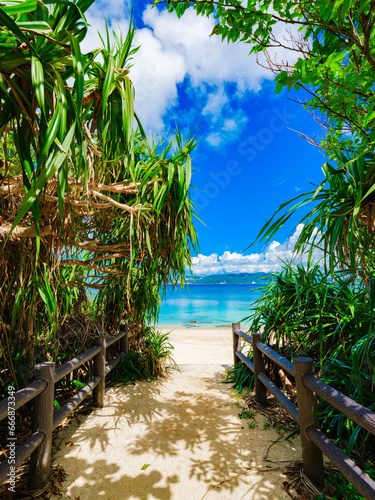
x=42 y=392
x=308 y=388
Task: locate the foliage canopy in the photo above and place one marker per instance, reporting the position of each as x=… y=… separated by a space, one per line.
x=331 y=46
x=87 y=200
x=331 y=49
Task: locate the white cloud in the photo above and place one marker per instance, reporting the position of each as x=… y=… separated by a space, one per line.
x=209 y=64
x=268 y=261
x=156 y=73
x=215 y=102
x=173 y=50
x=110 y=9
x=224 y=130
x=208 y=60
x=92 y=40
x=214 y=139
x=230 y=125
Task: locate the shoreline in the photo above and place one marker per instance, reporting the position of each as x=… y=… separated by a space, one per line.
x=193 y=326
x=219 y=284
x=199 y=326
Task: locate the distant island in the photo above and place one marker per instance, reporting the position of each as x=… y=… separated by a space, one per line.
x=230 y=279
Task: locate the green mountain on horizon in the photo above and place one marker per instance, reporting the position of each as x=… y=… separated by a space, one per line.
x=231 y=279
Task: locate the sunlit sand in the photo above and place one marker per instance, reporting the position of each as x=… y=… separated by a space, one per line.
x=177 y=438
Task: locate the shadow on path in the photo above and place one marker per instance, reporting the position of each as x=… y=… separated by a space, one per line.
x=186 y=427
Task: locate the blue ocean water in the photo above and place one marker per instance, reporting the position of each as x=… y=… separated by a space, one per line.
x=207 y=305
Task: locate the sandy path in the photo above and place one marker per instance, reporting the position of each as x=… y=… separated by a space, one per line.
x=185 y=428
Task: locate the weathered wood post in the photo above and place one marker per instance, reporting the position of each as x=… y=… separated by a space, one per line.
x=42 y=420
x=124 y=341
x=308 y=415
x=99 y=369
x=258 y=359
x=236 y=341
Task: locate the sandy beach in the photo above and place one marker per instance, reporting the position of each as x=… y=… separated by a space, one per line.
x=201 y=348
x=178 y=438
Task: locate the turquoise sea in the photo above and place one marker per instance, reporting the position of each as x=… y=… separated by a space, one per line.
x=207 y=305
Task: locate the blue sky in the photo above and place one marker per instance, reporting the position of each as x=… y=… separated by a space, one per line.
x=250 y=158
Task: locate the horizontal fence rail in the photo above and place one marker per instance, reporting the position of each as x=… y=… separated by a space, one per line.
x=284 y=363
x=114 y=363
x=64 y=370
x=246 y=361
x=74 y=401
x=41 y=392
x=308 y=388
x=280 y=396
x=355 y=411
x=22 y=397
x=22 y=453
x=359 y=479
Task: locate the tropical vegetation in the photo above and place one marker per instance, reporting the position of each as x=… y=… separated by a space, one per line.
x=149 y=358
x=91 y=207
x=305 y=313
x=331 y=46
x=89 y=203
x=322 y=310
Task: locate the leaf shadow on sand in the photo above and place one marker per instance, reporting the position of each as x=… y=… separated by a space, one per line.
x=220 y=446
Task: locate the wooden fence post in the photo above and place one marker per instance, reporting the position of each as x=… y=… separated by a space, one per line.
x=308 y=415
x=258 y=359
x=100 y=360
x=124 y=341
x=236 y=341
x=42 y=419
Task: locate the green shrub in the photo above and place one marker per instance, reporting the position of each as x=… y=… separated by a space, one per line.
x=305 y=313
x=149 y=357
x=241 y=377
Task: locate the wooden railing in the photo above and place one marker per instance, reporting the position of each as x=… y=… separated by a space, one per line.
x=308 y=388
x=42 y=393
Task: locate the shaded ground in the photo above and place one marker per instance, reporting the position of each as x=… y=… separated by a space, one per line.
x=178 y=438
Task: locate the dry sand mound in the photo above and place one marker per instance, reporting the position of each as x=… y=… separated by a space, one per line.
x=178 y=438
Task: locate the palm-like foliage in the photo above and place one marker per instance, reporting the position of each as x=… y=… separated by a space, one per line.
x=305 y=313
x=341 y=220
x=86 y=199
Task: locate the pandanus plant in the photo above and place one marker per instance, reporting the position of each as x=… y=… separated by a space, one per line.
x=86 y=200
x=341 y=217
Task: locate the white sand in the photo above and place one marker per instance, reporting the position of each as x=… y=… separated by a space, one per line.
x=197 y=349
x=185 y=427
